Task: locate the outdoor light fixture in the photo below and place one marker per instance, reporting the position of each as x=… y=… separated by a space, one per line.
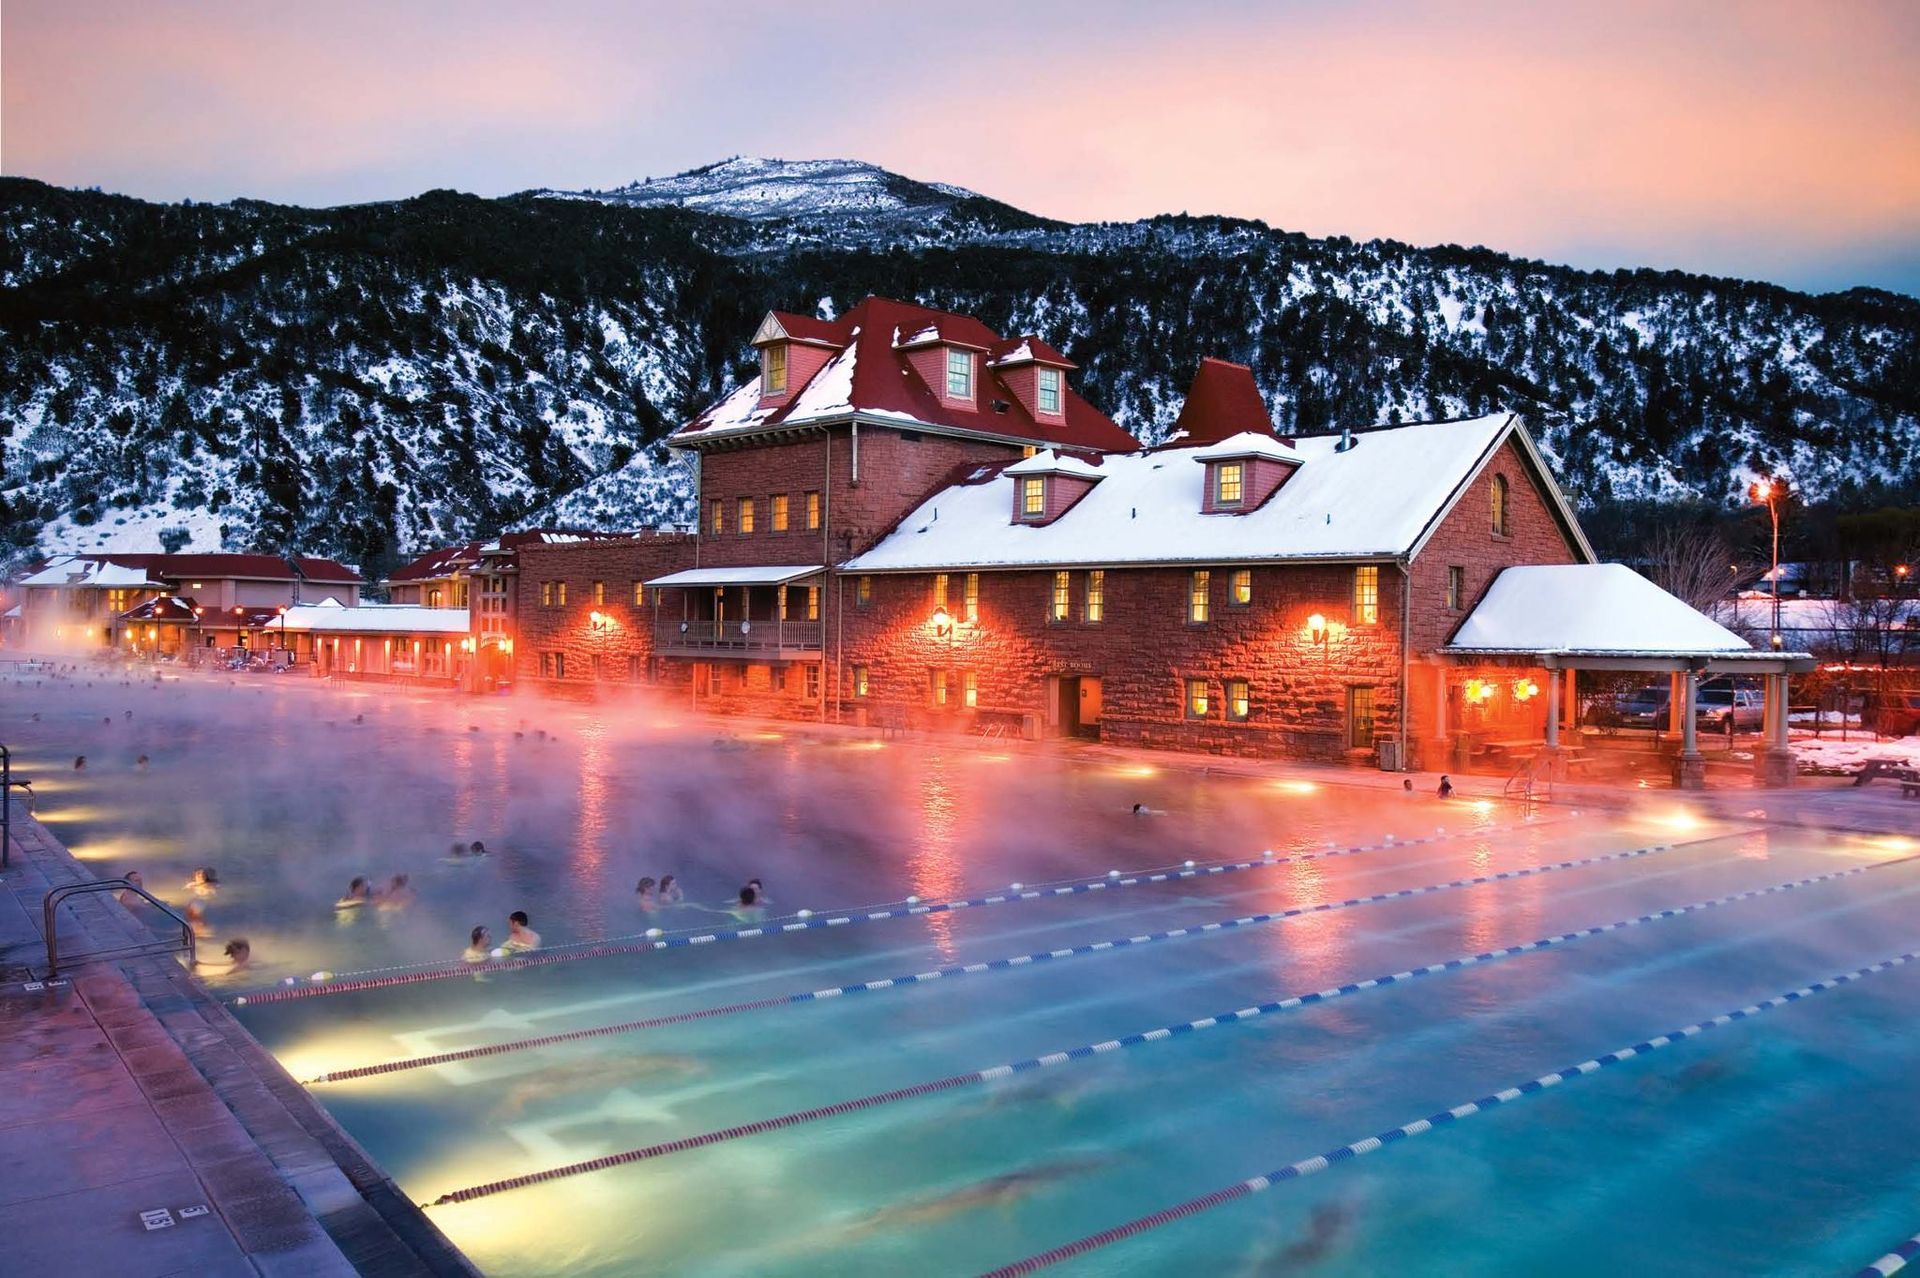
x=466 y=645
x=942 y=622
x=1770 y=493
x=1525 y=689
x=1317 y=629
x=1478 y=690
x=600 y=620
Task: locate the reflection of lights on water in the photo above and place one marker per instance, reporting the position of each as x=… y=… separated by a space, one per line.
x=1297 y=787
x=1483 y=805
x=1894 y=843
x=82 y=812
x=866 y=745
x=1679 y=819
x=996 y=758
x=769 y=736
x=1137 y=770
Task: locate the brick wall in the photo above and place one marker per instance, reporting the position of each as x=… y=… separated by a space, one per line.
x=568 y=630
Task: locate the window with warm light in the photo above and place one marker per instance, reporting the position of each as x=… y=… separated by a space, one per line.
x=969 y=690
x=773 y=369
x=940 y=590
x=716 y=516
x=433 y=596
x=1229 y=483
x=1366 y=595
x=639 y=594
x=1060 y=601
x=1456 y=587
x=777 y=509
x=1049 y=392
x=1033 y=496
x=1239 y=701
x=862 y=591
x=599 y=592
x=1240 y=587
x=959 y=374
x=813 y=603
x=1029 y=450
x=1095 y=610
x=1197 y=701
x=813 y=512
x=1498 y=499
x=746 y=515
x=546 y=594
x=972 y=602
x=859 y=681
x=560 y=593
x=939 y=687
x=1199 y=596
x=1360 y=721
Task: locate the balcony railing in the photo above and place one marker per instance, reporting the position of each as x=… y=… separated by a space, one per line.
x=743 y=637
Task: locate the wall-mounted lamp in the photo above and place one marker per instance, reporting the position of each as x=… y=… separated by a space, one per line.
x=466 y=645
x=942 y=622
x=1525 y=689
x=600 y=620
x=1317 y=629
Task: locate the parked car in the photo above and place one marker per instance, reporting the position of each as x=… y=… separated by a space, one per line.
x=1718 y=705
x=1641 y=708
x=1892 y=714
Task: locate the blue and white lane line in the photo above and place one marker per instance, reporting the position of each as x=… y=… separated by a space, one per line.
x=1000 y=964
x=1894 y=1261
x=644 y=943
x=1089 y=1050
x=1446 y=1117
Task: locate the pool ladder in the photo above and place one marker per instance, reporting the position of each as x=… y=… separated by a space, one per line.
x=49 y=921
x=1529 y=778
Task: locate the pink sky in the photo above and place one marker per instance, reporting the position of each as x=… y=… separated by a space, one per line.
x=1780 y=141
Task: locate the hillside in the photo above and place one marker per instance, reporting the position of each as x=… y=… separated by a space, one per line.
x=366 y=381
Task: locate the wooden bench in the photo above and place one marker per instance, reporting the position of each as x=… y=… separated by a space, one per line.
x=1887 y=769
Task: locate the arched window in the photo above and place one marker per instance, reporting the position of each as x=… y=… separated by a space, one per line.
x=1499 y=505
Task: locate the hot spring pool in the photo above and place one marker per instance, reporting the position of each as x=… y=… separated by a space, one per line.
x=1777 y=1144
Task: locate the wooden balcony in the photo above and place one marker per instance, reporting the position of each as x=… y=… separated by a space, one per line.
x=746 y=640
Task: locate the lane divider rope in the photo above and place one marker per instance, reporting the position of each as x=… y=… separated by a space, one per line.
x=1088 y=1050
x=967 y=969
x=293 y=988
x=1894 y=1261
x=1421 y=1126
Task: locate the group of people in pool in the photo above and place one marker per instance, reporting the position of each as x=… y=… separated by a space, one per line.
x=203 y=883
x=520 y=939
x=397 y=894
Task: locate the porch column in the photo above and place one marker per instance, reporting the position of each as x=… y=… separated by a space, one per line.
x=1440 y=738
x=1571 y=706
x=1689 y=770
x=1674 y=694
x=1773 y=763
x=1553 y=709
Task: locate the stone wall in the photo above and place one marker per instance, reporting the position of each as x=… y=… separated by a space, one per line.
x=620 y=650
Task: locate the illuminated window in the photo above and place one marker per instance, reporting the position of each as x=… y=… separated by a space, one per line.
x=1229 y=483
x=972 y=604
x=716 y=517
x=1360 y=718
x=746 y=514
x=773 y=369
x=1366 y=594
x=1240 y=587
x=940 y=590
x=863 y=591
x=813 y=682
x=778 y=503
x=1028 y=450
x=1033 y=496
x=1096 y=609
x=959 y=374
x=1456 y=587
x=813 y=512
x=1062 y=596
x=639 y=594
x=939 y=687
x=1238 y=702
x=813 y=603
x=780 y=596
x=1499 y=500
x=599 y=592
x=1049 y=390
x=859 y=681
x=1197 y=698
x=969 y=690
x=560 y=593
x=1199 y=590
x=546 y=594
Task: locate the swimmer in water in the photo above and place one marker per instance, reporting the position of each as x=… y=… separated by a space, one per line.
x=398 y=894
x=643 y=895
x=238 y=953
x=204 y=881
x=476 y=848
x=1445 y=790
x=1142 y=810
x=608 y=1072
x=995 y=1191
x=359 y=892
x=141 y=763
x=479 y=945
x=520 y=937
x=79 y=763
x=197 y=920
x=133 y=881
x=1407 y=785
x=748 y=905
x=129 y=715
x=670 y=893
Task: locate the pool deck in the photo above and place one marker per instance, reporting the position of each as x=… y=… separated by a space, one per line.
x=144 y=1133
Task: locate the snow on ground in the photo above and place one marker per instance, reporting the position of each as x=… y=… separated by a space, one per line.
x=1834 y=757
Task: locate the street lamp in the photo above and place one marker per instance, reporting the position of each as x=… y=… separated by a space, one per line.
x=1771 y=492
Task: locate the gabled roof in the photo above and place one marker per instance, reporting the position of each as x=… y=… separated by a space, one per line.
x=1222 y=402
x=785 y=326
x=93 y=574
x=1011 y=351
x=1250 y=443
x=871 y=379
x=1050 y=462
x=252 y=567
x=1588 y=610
x=1378 y=500
x=161 y=608
x=439 y=563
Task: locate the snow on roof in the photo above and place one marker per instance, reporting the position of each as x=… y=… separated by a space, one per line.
x=374 y=619
x=1375 y=500
x=1248 y=444
x=438 y=563
x=748 y=576
x=97 y=574
x=1588 y=608
x=1054 y=463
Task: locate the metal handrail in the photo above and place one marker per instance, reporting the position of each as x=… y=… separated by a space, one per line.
x=59 y=895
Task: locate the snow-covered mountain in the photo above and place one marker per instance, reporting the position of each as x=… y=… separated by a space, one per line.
x=369 y=381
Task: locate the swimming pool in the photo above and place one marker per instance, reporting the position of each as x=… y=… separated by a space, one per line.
x=1776 y=1144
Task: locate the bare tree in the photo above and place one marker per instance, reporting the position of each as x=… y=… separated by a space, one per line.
x=1692 y=564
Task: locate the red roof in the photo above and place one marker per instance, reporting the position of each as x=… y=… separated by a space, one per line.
x=805 y=328
x=267 y=567
x=885 y=382
x=439 y=563
x=1222 y=402
x=1026 y=350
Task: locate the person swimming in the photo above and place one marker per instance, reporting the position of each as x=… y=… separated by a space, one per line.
x=204 y=881
x=1407 y=785
x=359 y=892
x=197 y=920
x=1003 y=1190
x=479 y=945
x=1445 y=790
x=670 y=893
x=644 y=896
x=1142 y=810
x=238 y=953
x=520 y=937
x=141 y=763
x=79 y=763
x=398 y=894
x=133 y=881
x=476 y=848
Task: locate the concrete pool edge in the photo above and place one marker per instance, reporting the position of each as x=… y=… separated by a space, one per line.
x=227 y=1113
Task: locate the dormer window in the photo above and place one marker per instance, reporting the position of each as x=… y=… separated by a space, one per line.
x=1033 y=497
x=773 y=369
x=959 y=374
x=1049 y=392
x=1229 y=483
